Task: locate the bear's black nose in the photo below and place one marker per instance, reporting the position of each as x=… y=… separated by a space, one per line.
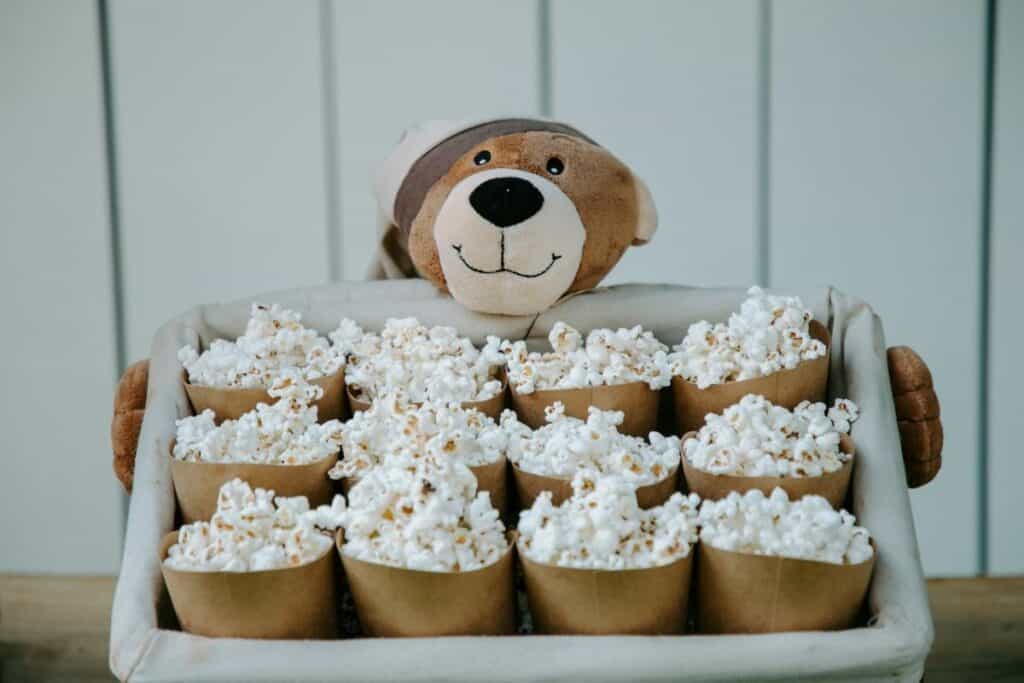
x=506 y=201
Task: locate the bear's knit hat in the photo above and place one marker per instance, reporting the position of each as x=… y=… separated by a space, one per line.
x=426 y=151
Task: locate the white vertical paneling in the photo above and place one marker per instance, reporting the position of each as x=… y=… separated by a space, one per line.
x=220 y=140
x=399 y=63
x=876 y=132
x=60 y=508
x=1006 y=281
x=671 y=88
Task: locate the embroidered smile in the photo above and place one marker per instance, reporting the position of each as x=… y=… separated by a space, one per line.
x=502 y=268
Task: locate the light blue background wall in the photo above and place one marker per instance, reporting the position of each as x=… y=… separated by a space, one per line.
x=787 y=142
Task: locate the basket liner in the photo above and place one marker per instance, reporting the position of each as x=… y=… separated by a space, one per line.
x=893 y=646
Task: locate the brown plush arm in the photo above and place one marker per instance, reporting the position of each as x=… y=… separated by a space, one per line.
x=917 y=414
x=129 y=409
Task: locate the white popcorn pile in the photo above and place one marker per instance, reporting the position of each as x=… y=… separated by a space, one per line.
x=756 y=438
x=769 y=334
x=566 y=445
x=607 y=357
x=283 y=433
x=806 y=529
x=429 y=364
x=602 y=527
x=395 y=433
x=274 y=339
x=254 y=531
x=429 y=518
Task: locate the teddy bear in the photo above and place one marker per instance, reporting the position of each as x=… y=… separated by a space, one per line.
x=509 y=216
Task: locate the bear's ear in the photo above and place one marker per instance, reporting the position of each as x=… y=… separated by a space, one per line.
x=646 y=214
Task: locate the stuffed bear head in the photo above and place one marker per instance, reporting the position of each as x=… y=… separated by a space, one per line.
x=509 y=215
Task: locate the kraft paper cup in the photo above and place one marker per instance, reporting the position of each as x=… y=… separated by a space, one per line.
x=393 y=602
x=529 y=486
x=568 y=600
x=197 y=484
x=491 y=478
x=294 y=602
x=638 y=402
x=833 y=486
x=746 y=593
x=491 y=407
x=808 y=381
x=229 y=403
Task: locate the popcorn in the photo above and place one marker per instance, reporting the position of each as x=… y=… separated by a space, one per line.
x=274 y=339
x=284 y=433
x=429 y=518
x=807 y=529
x=254 y=531
x=396 y=433
x=769 y=334
x=602 y=527
x=434 y=364
x=755 y=438
x=608 y=357
x=566 y=445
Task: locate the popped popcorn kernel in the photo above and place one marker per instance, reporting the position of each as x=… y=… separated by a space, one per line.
x=756 y=438
x=429 y=517
x=566 y=445
x=807 y=529
x=607 y=357
x=602 y=527
x=283 y=433
x=274 y=340
x=395 y=433
x=769 y=334
x=254 y=531
x=427 y=364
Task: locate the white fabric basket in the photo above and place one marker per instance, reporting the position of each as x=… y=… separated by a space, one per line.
x=893 y=646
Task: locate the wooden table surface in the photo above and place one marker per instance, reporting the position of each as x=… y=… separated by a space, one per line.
x=56 y=629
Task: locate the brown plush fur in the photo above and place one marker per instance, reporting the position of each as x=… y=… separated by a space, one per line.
x=921 y=440
x=917 y=414
x=920 y=473
x=907 y=370
x=921 y=404
x=129 y=409
x=600 y=186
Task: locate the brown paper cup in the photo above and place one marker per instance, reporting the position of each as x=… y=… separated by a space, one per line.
x=808 y=381
x=395 y=602
x=529 y=486
x=637 y=401
x=567 y=600
x=230 y=403
x=832 y=485
x=492 y=407
x=295 y=602
x=197 y=484
x=490 y=478
x=493 y=479
x=746 y=593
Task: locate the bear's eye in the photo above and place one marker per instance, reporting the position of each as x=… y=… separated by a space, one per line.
x=482 y=158
x=555 y=166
